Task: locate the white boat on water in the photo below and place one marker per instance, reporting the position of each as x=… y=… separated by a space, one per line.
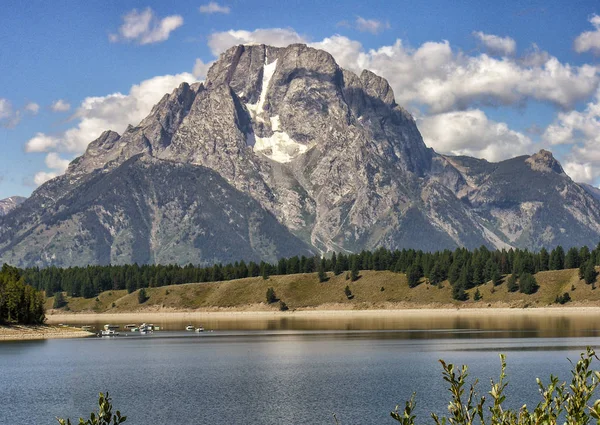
x=189 y=328
x=108 y=332
x=107 y=327
x=200 y=329
x=144 y=328
x=131 y=326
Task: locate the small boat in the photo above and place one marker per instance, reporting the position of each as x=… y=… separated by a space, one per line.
x=135 y=329
x=189 y=328
x=200 y=329
x=144 y=328
x=108 y=332
x=87 y=327
x=131 y=326
x=107 y=327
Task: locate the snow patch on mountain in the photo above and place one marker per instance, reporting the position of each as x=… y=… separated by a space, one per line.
x=279 y=147
x=257 y=108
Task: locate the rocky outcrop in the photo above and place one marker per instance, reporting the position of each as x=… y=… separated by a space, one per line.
x=10 y=203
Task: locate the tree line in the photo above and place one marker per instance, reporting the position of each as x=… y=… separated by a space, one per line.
x=464 y=269
x=19 y=302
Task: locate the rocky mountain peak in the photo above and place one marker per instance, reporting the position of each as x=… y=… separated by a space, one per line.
x=10 y=203
x=545 y=162
x=282 y=152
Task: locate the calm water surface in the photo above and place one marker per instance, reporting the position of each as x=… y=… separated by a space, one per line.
x=281 y=376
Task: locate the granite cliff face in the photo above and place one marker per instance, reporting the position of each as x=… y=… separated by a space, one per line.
x=291 y=154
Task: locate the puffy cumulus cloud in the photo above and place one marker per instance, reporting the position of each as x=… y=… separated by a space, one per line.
x=60 y=106
x=589 y=40
x=435 y=76
x=145 y=27
x=579 y=131
x=57 y=165
x=472 y=133
x=201 y=69
x=32 y=107
x=441 y=79
x=581 y=172
x=114 y=111
x=41 y=143
x=496 y=45
x=278 y=37
x=213 y=7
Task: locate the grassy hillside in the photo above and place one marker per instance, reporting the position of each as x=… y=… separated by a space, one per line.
x=374 y=289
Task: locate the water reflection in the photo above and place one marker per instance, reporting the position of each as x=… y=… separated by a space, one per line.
x=411 y=326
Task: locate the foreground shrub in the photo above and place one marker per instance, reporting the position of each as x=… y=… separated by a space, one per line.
x=104 y=416
x=558 y=399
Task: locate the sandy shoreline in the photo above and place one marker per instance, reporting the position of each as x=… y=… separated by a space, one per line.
x=20 y=332
x=325 y=314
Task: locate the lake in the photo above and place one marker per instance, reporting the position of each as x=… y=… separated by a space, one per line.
x=278 y=374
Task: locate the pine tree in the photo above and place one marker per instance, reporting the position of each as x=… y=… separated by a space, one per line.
x=590 y=273
x=354 y=271
x=322 y=275
x=413 y=275
x=572 y=258
x=265 y=271
x=495 y=275
x=557 y=258
x=458 y=292
x=512 y=285
x=59 y=300
x=477 y=295
x=544 y=259
x=142 y=297
x=527 y=284
x=271 y=297
x=348 y=292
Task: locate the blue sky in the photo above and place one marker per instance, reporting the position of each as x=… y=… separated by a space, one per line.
x=492 y=79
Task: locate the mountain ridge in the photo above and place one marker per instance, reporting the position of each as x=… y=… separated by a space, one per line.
x=329 y=155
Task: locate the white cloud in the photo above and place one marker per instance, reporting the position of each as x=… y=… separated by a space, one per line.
x=201 y=69
x=496 y=45
x=5 y=109
x=440 y=79
x=278 y=37
x=41 y=143
x=145 y=27
x=579 y=130
x=589 y=40
x=60 y=106
x=214 y=7
x=58 y=166
x=114 y=111
x=581 y=172
x=32 y=108
x=371 y=25
x=472 y=133
x=435 y=76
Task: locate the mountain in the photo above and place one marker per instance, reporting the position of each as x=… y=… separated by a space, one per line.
x=9 y=204
x=282 y=152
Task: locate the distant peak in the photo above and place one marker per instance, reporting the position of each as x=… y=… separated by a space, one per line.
x=544 y=161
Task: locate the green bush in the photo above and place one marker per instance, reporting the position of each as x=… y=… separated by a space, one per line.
x=558 y=400
x=527 y=284
x=271 y=297
x=142 y=296
x=563 y=299
x=104 y=416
